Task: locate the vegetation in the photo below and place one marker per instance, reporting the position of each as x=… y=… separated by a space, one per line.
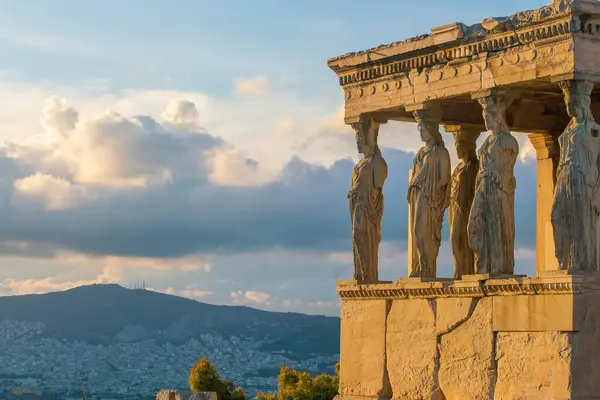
x=291 y=385
x=205 y=378
x=294 y=385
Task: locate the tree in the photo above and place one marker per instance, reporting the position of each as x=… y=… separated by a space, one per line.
x=266 y=396
x=205 y=378
x=294 y=385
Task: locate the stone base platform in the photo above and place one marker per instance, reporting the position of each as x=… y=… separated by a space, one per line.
x=503 y=339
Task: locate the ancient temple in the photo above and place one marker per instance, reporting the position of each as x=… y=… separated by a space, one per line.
x=487 y=333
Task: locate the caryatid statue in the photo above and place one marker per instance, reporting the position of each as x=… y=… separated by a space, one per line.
x=575 y=195
x=491 y=227
x=428 y=194
x=461 y=198
x=366 y=201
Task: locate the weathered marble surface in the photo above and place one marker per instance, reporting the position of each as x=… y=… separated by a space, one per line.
x=461 y=199
x=362 y=349
x=534 y=365
x=411 y=349
x=366 y=202
x=491 y=225
x=547 y=154
x=504 y=342
x=466 y=353
x=576 y=203
x=428 y=195
x=507 y=52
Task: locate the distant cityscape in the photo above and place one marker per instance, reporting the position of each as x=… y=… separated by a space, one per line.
x=60 y=369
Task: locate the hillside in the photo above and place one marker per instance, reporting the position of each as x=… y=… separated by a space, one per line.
x=110 y=314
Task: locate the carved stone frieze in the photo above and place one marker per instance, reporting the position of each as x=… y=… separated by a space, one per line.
x=455 y=60
x=457 y=288
x=459 y=52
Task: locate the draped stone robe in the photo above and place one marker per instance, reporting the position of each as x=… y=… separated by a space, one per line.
x=491 y=225
x=573 y=214
x=461 y=199
x=428 y=201
x=366 y=211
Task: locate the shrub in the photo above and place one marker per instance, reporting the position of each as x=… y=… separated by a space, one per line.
x=205 y=378
x=294 y=385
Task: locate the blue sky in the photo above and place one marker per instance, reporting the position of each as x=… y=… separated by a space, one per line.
x=202 y=45
x=200 y=146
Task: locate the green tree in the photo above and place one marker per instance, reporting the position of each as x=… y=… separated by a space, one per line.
x=205 y=378
x=294 y=385
x=266 y=396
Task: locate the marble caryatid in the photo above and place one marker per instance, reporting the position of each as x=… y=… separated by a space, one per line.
x=575 y=197
x=461 y=198
x=491 y=227
x=366 y=201
x=428 y=195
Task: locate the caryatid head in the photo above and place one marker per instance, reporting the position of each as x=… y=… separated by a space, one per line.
x=366 y=132
x=577 y=98
x=428 y=124
x=465 y=142
x=494 y=111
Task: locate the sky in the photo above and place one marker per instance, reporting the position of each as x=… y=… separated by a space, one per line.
x=199 y=146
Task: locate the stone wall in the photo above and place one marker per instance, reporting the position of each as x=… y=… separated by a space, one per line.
x=505 y=347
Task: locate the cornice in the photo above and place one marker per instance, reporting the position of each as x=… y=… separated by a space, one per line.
x=458 y=288
x=550 y=32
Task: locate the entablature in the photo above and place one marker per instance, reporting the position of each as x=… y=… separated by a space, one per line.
x=528 y=52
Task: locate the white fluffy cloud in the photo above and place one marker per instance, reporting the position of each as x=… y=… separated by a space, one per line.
x=228 y=166
x=55 y=193
x=181 y=112
x=258 y=85
x=58 y=117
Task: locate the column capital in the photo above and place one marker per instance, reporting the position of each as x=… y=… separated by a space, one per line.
x=464 y=132
x=545 y=144
x=432 y=106
x=576 y=76
x=378 y=118
x=466 y=128
x=429 y=112
x=508 y=95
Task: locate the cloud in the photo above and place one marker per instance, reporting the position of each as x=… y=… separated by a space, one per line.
x=193 y=195
x=230 y=167
x=113 y=150
x=55 y=193
x=182 y=113
x=148 y=191
x=258 y=85
x=241 y=297
x=58 y=117
x=36 y=286
x=285 y=125
x=194 y=294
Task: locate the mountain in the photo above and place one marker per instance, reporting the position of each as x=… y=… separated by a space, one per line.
x=109 y=313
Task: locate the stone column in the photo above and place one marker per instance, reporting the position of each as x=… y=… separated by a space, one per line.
x=547 y=151
x=461 y=198
x=365 y=199
x=576 y=203
x=428 y=192
x=491 y=227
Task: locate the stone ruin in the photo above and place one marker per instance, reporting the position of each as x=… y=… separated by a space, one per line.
x=487 y=333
